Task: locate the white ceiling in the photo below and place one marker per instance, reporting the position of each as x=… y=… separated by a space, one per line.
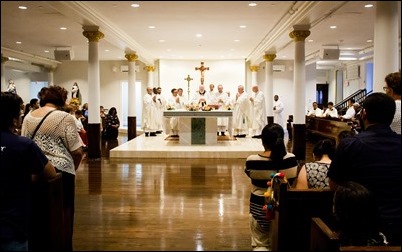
x=126 y=29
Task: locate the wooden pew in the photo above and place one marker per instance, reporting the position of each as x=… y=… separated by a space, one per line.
x=331 y=128
x=46 y=232
x=293 y=213
x=325 y=239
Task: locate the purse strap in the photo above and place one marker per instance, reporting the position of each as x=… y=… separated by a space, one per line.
x=43 y=119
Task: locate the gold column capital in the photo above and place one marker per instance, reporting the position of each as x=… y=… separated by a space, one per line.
x=93 y=36
x=269 y=57
x=149 y=68
x=4 y=59
x=131 y=57
x=49 y=69
x=299 y=35
x=254 y=68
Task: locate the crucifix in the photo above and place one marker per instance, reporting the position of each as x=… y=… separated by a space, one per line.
x=202 y=69
x=188 y=79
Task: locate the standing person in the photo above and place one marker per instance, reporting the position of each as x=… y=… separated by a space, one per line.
x=112 y=124
x=258 y=114
x=149 y=113
x=200 y=97
x=241 y=112
x=278 y=109
x=160 y=105
x=211 y=94
x=331 y=111
x=21 y=158
x=58 y=138
x=85 y=114
x=314 y=174
x=393 y=88
x=173 y=103
x=258 y=168
x=373 y=159
x=183 y=99
x=222 y=99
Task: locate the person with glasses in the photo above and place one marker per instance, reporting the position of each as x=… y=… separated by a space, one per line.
x=393 y=88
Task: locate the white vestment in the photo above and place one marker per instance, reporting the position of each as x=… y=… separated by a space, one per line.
x=160 y=106
x=241 y=110
x=149 y=114
x=197 y=98
x=173 y=103
x=222 y=99
x=258 y=113
x=278 y=109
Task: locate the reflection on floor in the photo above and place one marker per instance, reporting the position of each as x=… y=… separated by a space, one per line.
x=158 y=147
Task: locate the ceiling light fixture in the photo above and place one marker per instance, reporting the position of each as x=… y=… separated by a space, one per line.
x=333 y=27
x=199 y=35
x=135 y=5
x=252 y=4
x=22 y=7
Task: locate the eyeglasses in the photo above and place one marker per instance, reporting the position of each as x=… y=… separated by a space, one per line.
x=385 y=88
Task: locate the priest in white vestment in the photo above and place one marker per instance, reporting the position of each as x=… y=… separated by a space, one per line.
x=241 y=112
x=278 y=109
x=200 y=97
x=173 y=103
x=160 y=105
x=149 y=113
x=258 y=113
x=222 y=99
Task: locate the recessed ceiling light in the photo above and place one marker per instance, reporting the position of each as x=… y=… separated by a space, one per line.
x=106 y=50
x=18 y=42
x=236 y=40
x=369 y=40
x=333 y=27
x=243 y=26
x=22 y=7
x=63 y=28
x=135 y=5
x=46 y=51
x=151 y=27
x=199 y=35
x=310 y=40
x=161 y=40
x=252 y=4
x=368 y=5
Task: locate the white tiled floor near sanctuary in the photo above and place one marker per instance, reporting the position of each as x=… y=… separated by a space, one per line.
x=158 y=147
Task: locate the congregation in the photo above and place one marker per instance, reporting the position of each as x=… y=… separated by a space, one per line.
x=367 y=162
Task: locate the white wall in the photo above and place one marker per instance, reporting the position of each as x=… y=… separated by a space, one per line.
x=229 y=73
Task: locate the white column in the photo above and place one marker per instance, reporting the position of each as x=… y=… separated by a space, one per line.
x=386 y=49
x=50 y=76
x=4 y=85
x=269 y=84
x=299 y=76
x=131 y=84
x=150 y=70
x=93 y=74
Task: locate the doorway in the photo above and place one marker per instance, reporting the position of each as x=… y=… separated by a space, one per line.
x=322 y=94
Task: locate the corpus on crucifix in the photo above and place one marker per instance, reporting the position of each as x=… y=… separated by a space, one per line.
x=188 y=79
x=202 y=69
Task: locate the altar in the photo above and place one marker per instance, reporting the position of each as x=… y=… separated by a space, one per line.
x=198 y=127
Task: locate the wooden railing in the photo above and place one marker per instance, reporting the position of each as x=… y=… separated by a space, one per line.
x=358 y=96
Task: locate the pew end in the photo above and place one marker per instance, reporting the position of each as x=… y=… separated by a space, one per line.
x=293 y=213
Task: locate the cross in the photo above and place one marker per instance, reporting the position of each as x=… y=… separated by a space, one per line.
x=188 y=79
x=202 y=69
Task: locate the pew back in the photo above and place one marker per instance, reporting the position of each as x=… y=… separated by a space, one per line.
x=46 y=232
x=329 y=128
x=295 y=208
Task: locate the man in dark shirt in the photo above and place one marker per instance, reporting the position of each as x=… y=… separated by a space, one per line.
x=373 y=159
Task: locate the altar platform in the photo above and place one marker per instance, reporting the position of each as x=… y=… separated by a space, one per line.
x=159 y=148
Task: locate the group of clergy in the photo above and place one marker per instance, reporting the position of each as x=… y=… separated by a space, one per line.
x=249 y=113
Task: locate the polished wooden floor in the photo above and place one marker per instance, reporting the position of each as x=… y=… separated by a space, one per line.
x=151 y=204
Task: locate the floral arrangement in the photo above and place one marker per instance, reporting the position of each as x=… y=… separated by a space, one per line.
x=192 y=107
x=168 y=107
x=207 y=108
x=75 y=102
